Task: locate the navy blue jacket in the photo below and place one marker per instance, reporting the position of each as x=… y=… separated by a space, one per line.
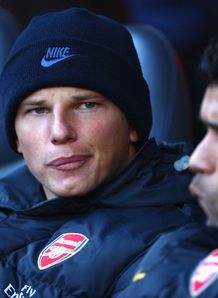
x=183 y=263
x=81 y=247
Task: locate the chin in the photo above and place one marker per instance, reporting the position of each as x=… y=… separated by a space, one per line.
x=71 y=193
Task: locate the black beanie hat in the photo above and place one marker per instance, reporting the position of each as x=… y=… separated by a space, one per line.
x=76 y=48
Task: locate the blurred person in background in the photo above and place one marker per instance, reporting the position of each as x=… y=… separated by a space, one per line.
x=185 y=263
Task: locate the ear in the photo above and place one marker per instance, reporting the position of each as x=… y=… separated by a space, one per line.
x=133 y=136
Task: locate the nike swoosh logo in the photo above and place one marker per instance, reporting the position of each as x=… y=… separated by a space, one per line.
x=48 y=63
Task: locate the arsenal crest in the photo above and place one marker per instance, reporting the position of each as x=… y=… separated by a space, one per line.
x=205 y=274
x=61 y=249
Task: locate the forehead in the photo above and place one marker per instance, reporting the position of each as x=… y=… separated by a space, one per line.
x=209 y=107
x=78 y=93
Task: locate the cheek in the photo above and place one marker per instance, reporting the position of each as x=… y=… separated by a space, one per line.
x=108 y=133
x=30 y=134
x=29 y=143
x=110 y=141
x=33 y=153
x=23 y=136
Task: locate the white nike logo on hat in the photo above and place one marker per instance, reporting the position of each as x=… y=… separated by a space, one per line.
x=55 y=55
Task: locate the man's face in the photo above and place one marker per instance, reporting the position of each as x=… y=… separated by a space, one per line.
x=73 y=139
x=204 y=160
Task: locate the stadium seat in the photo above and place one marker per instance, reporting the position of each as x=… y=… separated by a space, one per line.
x=162 y=69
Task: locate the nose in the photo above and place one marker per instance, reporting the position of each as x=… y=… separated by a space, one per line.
x=62 y=130
x=202 y=159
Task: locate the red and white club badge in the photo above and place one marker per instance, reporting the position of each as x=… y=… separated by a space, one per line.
x=205 y=274
x=61 y=249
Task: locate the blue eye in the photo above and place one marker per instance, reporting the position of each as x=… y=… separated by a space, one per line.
x=39 y=110
x=88 y=105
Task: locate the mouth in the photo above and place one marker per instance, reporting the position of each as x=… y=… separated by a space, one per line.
x=68 y=163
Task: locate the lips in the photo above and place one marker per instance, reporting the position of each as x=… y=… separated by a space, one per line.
x=68 y=163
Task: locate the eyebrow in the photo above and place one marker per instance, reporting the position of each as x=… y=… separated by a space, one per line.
x=79 y=97
x=85 y=96
x=33 y=102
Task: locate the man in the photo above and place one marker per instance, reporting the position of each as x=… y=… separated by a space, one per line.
x=96 y=192
x=185 y=263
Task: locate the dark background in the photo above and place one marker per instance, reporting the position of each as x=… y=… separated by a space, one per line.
x=24 y=10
